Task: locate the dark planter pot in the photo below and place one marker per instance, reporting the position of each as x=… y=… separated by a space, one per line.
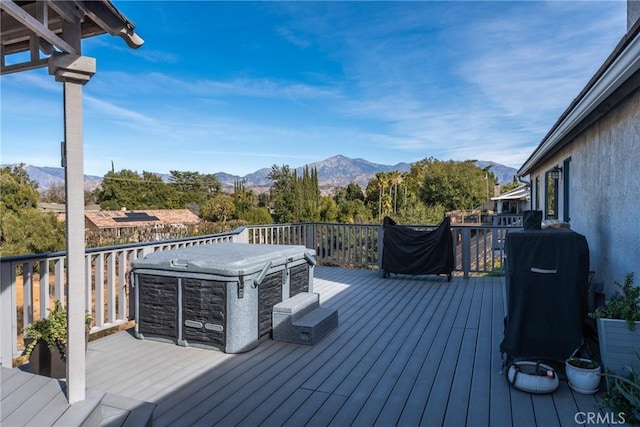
x=45 y=362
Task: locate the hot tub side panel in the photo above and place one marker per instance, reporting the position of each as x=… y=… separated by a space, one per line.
x=270 y=293
x=157 y=308
x=204 y=312
x=242 y=315
x=300 y=279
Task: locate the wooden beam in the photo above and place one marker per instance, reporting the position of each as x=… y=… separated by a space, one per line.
x=32 y=23
x=70 y=11
x=24 y=66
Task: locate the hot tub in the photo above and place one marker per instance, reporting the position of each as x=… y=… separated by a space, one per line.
x=216 y=296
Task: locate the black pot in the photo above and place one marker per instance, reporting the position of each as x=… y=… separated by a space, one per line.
x=42 y=361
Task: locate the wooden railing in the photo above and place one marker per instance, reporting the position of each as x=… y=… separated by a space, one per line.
x=28 y=283
x=477 y=249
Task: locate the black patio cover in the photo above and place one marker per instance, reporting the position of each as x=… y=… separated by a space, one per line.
x=410 y=251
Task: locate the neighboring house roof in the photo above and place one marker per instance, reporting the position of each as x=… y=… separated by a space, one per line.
x=141 y=218
x=519 y=193
x=616 y=78
x=52 y=207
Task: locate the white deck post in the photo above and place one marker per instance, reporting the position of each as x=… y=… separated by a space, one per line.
x=74 y=71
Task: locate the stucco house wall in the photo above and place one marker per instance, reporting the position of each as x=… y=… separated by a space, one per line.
x=595 y=147
x=604 y=190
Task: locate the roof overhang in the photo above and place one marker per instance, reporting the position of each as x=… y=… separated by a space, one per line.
x=37 y=27
x=616 y=78
x=519 y=193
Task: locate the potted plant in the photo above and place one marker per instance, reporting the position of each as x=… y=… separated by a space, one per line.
x=618 y=323
x=623 y=395
x=46 y=343
x=583 y=374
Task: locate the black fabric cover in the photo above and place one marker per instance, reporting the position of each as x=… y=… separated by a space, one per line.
x=410 y=251
x=532 y=220
x=547 y=273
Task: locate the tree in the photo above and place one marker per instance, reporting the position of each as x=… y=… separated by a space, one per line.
x=294 y=198
x=510 y=186
x=17 y=190
x=119 y=190
x=453 y=185
x=30 y=231
x=194 y=187
x=256 y=215
x=328 y=210
x=354 y=212
x=56 y=193
x=24 y=229
x=127 y=189
x=219 y=208
x=282 y=192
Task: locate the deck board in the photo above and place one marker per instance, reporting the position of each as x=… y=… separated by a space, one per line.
x=407 y=351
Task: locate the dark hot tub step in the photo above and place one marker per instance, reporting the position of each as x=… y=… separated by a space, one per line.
x=301 y=320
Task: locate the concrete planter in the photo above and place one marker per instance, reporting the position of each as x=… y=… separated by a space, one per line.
x=582 y=376
x=618 y=345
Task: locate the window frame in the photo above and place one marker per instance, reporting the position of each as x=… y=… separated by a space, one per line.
x=550 y=183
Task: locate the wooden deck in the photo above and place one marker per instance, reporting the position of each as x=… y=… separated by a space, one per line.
x=407 y=351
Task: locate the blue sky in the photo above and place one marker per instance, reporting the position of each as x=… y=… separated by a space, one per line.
x=238 y=86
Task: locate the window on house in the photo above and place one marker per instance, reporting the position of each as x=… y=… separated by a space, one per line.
x=536 y=194
x=551 y=195
x=565 y=189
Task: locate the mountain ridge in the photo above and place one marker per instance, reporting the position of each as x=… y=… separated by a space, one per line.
x=333 y=172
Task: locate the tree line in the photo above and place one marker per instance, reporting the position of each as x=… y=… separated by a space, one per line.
x=420 y=196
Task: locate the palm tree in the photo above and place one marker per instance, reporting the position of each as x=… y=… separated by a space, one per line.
x=382 y=179
x=395 y=179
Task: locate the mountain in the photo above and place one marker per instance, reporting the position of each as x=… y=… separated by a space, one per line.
x=46 y=177
x=339 y=171
x=504 y=173
x=336 y=171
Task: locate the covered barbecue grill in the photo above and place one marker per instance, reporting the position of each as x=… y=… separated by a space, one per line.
x=410 y=251
x=546 y=280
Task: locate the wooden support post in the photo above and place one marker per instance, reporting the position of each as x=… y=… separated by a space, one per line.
x=380 y=248
x=74 y=71
x=466 y=251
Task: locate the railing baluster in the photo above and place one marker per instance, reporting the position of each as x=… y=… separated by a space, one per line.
x=111 y=287
x=27 y=294
x=88 y=277
x=99 y=287
x=59 y=281
x=43 y=267
x=122 y=285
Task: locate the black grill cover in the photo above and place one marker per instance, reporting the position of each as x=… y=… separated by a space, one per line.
x=546 y=281
x=410 y=251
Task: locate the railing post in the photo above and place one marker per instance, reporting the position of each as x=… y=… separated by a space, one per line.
x=380 y=247
x=8 y=315
x=466 y=251
x=242 y=237
x=310 y=237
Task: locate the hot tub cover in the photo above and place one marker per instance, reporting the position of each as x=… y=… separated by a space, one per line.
x=223 y=259
x=410 y=251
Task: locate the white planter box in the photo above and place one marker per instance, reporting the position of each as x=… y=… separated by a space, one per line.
x=619 y=347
